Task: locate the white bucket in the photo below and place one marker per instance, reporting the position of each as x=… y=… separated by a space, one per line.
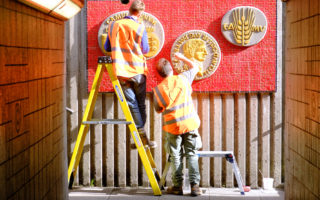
x=267 y=183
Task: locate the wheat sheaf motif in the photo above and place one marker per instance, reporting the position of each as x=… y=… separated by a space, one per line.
x=243 y=25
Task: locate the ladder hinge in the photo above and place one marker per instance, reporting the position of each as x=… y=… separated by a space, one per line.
x=104 y=59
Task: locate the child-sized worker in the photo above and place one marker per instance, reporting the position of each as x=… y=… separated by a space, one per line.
x=173 y=99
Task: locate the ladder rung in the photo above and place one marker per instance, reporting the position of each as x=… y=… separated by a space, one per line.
x=107 y=121
x=214 y=153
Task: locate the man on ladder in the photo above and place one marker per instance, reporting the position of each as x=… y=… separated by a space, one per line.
x=127 y=41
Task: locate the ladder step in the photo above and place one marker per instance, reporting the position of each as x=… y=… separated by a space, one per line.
x=214 y=153
x=107 y=121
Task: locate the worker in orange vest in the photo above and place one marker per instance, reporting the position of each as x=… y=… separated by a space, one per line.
x=127 y=41
x=172 y=98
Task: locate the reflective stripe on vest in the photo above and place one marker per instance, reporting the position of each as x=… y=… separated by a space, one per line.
x=173 y=94
x=125 y=39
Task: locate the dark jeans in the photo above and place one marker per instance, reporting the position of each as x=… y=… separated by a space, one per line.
x=134 y=90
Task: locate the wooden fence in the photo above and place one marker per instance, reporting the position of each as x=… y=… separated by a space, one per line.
x=250 y=124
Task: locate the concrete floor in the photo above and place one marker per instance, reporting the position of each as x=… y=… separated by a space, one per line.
x=147 y=193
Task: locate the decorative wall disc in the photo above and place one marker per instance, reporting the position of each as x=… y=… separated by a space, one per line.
x=244 y=26
x=201 y=48
x=153 y=27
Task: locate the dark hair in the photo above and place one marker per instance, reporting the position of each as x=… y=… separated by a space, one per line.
x=164 y=67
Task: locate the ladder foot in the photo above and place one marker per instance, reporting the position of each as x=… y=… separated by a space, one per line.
x=71 y=181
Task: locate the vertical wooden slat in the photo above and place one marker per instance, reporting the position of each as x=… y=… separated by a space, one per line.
x=264 y=134
x=252 y=140
x=228 y=131
x=156 y=135
x=109 y=139
x=240 y=133
x=96 y=146
x=133 y=165
x=276 y=144
x=84 y=166
x=216 y=131
x=204 y=130
x=82 y=91
x=145 y=180
x=120 y=153
x=72 y=88
x=165 y=158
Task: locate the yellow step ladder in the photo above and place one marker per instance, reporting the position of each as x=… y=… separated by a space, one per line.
x=144 y=151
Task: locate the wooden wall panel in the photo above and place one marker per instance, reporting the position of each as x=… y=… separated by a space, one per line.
x=216 y=124
x=31 y=110
x=109 y=140
x=302 y=119
x=240 y=133
x=204 y=131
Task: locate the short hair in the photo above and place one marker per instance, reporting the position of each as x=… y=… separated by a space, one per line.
x=136 y=7
x=190 y=47
x=164 y=67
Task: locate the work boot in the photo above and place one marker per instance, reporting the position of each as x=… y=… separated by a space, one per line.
x=145 y=140
x=195 y=190
x=175 y=190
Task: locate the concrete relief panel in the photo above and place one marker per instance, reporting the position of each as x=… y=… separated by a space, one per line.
x=153 y=27
x=244 y=26
x=201 y=48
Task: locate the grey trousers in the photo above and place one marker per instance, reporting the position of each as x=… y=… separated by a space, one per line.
x=188 y=142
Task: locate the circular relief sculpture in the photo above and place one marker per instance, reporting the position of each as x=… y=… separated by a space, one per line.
x=201 y=48
x=153 y=27
x=244 y=26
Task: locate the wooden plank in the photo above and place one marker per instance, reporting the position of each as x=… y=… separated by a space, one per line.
x=3 y=180
x=145 y=180
x=252 y=140
x=96 y=148
x=165 y=159
x=10 y=25
x=132 y=163
x=276 y=143
x=204 y=131
x=84 y=166
x=156 y=132
x=108 y=139
x=240 y=133
x=216 y=131
x=228 y=132
x=264 y=135
x=2 y=22
x=72 y=83
x=120 y=139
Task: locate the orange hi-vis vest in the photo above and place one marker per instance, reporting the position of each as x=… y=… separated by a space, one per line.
x=173 y=96
x=125 y=38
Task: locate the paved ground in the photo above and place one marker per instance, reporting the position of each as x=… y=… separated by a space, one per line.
x=147 y=193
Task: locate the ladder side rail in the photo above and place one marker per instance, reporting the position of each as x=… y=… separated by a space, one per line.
x=77 y=151
x=236 y=172
x=153 y=164
x=134 y=132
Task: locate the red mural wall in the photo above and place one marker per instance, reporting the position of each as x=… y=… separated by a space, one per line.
x=242 y=69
